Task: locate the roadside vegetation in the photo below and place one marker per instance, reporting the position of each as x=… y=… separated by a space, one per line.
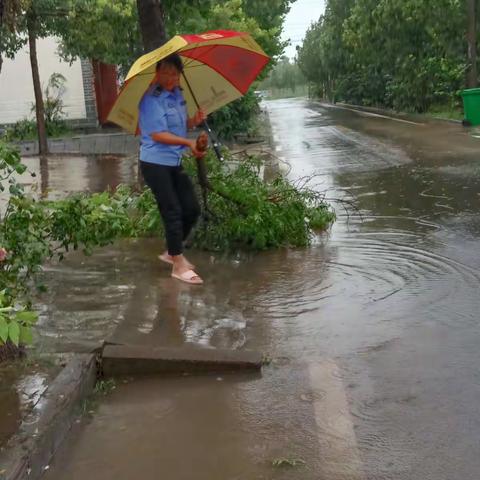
x=395 y=54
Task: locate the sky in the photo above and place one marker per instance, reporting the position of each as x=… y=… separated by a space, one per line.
x=301 y=15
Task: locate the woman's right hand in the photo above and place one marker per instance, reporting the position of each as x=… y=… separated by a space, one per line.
x=195 y=151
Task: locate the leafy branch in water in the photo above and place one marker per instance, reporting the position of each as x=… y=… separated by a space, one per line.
x=248 y=213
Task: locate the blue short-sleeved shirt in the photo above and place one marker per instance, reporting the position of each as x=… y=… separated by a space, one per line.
x=162 y=111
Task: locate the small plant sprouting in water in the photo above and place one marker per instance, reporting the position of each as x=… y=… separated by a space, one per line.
x=288 y=462
x=102 y=389
x=266 y=359
x=105 y=387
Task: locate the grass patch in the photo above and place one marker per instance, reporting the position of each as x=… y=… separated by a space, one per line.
x=447 y=113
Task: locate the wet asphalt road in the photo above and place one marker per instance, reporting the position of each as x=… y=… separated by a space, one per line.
x=373 y=330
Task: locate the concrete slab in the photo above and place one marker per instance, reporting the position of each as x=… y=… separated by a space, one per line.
x=72 y=145
x=87 y=144
x=56 y=146
x=117 y=144
x=102 y=144
x=41 y=433
x=28 y=148
x=131 y=144
x=139 y=360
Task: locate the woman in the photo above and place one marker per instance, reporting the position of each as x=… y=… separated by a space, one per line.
x=163 y=124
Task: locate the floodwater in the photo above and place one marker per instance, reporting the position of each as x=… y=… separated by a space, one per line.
x=373 y=331
x=59 y=175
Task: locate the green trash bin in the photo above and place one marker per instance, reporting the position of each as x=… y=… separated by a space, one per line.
x=471 y=106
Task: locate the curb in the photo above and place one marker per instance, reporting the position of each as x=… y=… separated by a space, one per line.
x=43 y=430
x=390 y=113
x=139 y=360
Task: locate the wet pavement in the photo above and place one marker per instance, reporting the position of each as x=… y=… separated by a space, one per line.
x=22 y=382
x=373 y=331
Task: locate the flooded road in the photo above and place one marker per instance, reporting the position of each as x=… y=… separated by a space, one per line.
x=373 y=331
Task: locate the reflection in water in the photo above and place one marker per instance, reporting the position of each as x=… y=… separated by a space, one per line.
x=56 y=176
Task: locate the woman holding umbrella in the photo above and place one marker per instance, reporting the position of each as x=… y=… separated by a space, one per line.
x=214 y=69
x=163 y=125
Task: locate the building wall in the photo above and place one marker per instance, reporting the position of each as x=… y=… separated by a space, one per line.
x=16 y=86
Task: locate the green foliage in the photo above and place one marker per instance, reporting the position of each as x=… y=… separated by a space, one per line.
x=263 y=20
x=237 y=117
x=285 y=75
x=399 y=54
x=101 y=30
x=260 y=215
x=26 y=129
x=109 y=31
x=15 y=323
x=54 y=92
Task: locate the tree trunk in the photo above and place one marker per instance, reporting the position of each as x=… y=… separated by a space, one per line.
x=1 y=58
x=472 y=44
x=152 y=23
x=37 y=87
x=2 y=6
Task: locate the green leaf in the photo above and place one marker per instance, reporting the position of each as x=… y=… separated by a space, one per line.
x=26 y=337
x=26 y=317
x=20 y=168
x=3 y=329
x=14 y=332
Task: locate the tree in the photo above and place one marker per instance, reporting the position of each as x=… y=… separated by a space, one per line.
x=113 y=32
x=400 y=54
x=284 y=75
x=10 y=11
x=32 y=29
x=100 y=30
x=152 y=23
x=472 y=79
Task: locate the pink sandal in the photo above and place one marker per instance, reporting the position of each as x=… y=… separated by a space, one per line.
x=188 y=277
x=165 y=258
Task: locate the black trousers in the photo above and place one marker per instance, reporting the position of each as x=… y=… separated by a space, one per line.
x=176 y=200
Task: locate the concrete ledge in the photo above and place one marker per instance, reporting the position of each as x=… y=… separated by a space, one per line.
x=138 y=360
x=42 y=432
x=92 y=144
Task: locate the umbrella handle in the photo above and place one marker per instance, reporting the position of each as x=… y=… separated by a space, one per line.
x=215 y=144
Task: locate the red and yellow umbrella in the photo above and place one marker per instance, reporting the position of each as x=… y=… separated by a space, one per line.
x=219 y=67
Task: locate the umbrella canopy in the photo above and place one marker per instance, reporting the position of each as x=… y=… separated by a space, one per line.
x=219 y=67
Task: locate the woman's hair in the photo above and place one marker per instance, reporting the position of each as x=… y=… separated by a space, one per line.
x=174 y=60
